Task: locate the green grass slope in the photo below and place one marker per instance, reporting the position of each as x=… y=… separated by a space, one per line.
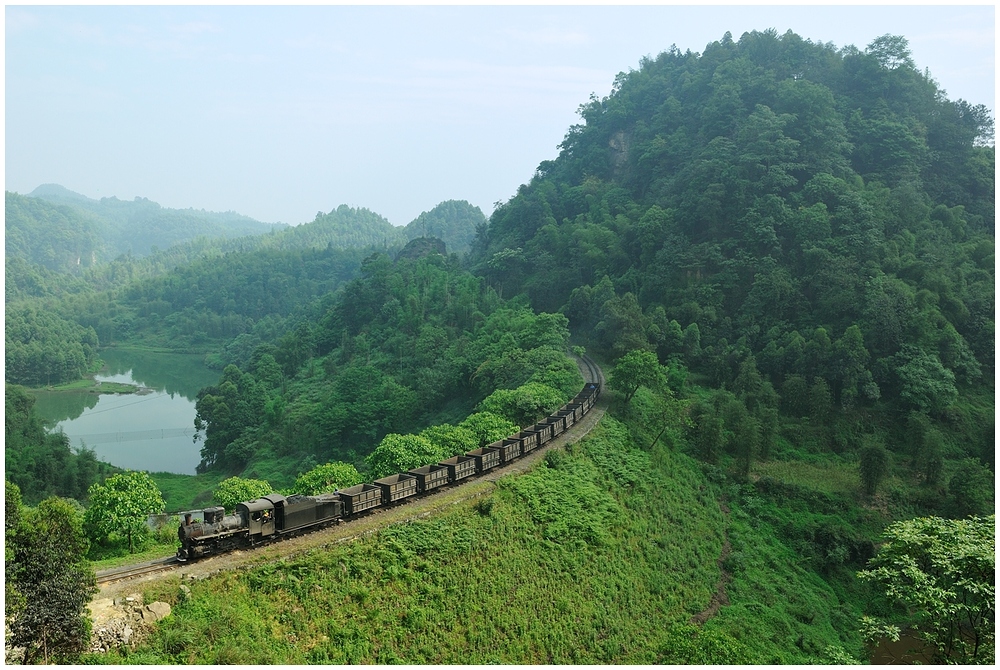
x=602 y=554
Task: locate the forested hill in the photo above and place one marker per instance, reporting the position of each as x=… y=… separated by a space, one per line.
x=454 y=222
x=828 y=211
x=62 y=230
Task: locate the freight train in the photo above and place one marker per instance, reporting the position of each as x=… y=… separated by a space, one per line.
x=275 y=516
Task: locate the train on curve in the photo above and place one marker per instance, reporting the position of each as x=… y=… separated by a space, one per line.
x=275 y=517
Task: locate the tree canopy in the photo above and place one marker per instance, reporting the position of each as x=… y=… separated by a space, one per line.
x=121 y=505
x=942 y=571
x=47 y=578
x=231 y=492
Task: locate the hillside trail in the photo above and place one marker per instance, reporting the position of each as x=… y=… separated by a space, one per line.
x=103 y=607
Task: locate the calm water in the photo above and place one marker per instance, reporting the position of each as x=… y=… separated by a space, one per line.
x=152 y=430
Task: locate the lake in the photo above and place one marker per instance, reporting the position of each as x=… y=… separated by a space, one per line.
x=151 y=430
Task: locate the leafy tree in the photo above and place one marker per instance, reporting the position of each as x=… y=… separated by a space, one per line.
x=488 y=427
x=451 y=440
x=942 y=571
x=226 y=412
x=48 y=569
x=13 y=598
x=795 y=395
x=972 y=488
x=230 y=492
x=623 y=326
x=523 y=405
x=121 y=505
x=927 y=385
x=399 y=453
x=453 y=221
x=634 y=369
x=709 y=435
x=819 y=400
x=874 y=466
x=930 y=457
x=891 y=51
x=326 y=478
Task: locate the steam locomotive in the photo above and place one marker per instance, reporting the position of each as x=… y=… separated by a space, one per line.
x=276 y=516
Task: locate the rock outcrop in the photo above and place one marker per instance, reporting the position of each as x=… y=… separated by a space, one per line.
x=125 y=622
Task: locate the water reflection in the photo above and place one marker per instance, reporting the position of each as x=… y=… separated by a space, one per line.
x=182 y=374
x=152 y=430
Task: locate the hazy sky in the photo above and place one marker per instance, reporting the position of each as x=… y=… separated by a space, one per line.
x=281 y=112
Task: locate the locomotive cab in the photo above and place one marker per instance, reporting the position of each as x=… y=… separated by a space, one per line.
x=258 y=516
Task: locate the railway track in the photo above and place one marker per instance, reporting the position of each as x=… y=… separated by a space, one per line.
x=593 y=371
x=138 y=570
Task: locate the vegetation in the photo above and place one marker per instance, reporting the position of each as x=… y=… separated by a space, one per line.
x=942 y=572
x=235 y=490
x=48 y=582
x=42 y=348
x=43 y=465
x=785 y=251
x=408 y=344
x=61 y=230
x=120 y=506
x=454 y=222
x=797 y=226
x=327 y=478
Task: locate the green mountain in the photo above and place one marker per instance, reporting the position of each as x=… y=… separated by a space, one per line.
x=827 y=212
x=783 y=252
x=455 y=222
x=65 y=231
x=55 y=237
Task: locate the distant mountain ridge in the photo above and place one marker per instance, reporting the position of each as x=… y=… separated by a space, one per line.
x=65 y=231
x=57 y=193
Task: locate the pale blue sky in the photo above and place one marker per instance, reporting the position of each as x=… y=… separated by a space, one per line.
x=280 y=112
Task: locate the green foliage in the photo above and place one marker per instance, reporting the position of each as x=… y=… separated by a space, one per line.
x=408 y=344
x=810 y=207
x=873 y=465
x=891 y=51
x=399 y=453
x=451 y=440
x=57 y=237
x=63 y=230
x=488 y=427
x=926 y=385
x=524 y=405
x=942 y=571
x=230 y=492
x=42 y=464
x=577 y=575
x=634 y=369
x=455 y=222
x=228 y=413
x=42 y=348
x=327 y=478
x=48 y=575
x=972 y=488
x=121 y=506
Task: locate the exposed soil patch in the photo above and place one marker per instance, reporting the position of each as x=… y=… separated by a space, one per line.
x=719 y=598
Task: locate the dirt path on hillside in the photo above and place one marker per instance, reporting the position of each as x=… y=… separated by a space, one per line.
x=719 y=598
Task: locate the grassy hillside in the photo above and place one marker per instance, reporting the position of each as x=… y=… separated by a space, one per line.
x=605 y=553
